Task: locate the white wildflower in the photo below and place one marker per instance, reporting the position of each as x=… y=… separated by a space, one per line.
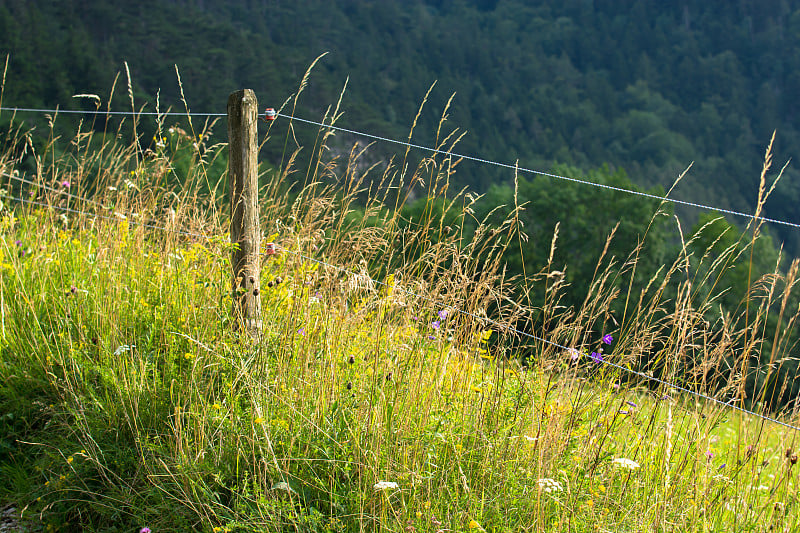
x=385 y=485
x=626 y=463
x=358 y=282
x=124 y=348
x=549 y=485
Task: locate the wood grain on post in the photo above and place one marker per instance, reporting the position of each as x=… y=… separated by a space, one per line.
x=245 y=229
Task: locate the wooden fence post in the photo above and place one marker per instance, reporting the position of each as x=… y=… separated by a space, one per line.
x=245 y=229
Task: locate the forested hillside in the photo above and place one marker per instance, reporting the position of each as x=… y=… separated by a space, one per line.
x=646 y=86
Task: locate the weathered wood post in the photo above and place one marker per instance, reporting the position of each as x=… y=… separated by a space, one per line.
x=245 y=229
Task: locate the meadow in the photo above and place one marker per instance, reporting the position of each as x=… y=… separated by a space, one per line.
x=390 y=388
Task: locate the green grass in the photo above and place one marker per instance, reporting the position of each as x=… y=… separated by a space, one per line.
x=127 y=399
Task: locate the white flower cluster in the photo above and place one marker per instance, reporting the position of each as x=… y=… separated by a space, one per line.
x=385 y=485
x=549 y=485
x=626 y=463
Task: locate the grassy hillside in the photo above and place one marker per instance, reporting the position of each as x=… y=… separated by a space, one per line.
x=386 y=391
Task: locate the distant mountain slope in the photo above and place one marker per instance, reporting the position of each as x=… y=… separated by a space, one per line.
x=645 y=85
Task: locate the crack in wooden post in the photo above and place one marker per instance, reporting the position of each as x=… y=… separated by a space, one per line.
x=245 y=228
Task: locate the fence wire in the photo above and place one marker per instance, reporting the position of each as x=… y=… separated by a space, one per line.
x=479 y=160
x=485 y=320
x=475 y=159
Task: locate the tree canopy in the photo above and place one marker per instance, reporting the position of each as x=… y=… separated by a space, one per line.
x=646 y=86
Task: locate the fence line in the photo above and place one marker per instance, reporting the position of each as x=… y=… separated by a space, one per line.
x=512 y=329
x=62 y=191
x=474 y=159
x=550 y=175
x=118 y=217
x=57 y=111
x=485 y=320
x=408 y=144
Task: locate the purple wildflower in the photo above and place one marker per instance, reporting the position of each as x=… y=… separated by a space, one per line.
x=431 y=337
x=442 y=314
x=573 y=354
x=144 y=530
x=709 y=454
x=596 y=357
x=66 y=184
x=302 y=331
x=436 y=324
x=631 y=404
x=607 y=339
x=18 y=242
